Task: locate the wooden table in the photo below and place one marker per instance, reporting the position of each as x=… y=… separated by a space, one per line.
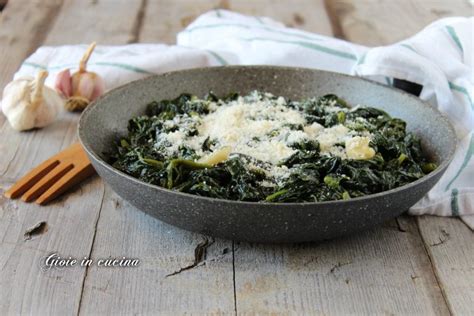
x=422 y=265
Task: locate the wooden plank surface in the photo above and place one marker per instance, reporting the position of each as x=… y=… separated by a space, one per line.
x=379 y=272
x=264 y=275
x=105 y=21
x=449 y=242
x=166 y=281
x=377 y=22
x=71 y=221
x=163 y=249
x=450 y=245
x=382 y=271
x=24 y=24
x=174 y=15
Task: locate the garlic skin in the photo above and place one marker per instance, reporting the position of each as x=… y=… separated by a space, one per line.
x=28 y=103
x=81 y=87
x=63 y=83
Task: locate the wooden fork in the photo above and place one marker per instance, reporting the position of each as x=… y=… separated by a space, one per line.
x=53 y=177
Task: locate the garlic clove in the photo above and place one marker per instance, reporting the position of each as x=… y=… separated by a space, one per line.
x=85 y=86
x=54 y=104
x=88 y=85
x=63 y=83
x=99 y=87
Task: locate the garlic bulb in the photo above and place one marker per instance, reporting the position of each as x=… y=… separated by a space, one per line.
x=82 y=87
x=28 y=103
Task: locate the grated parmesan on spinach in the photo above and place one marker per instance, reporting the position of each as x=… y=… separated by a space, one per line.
x=261 y=147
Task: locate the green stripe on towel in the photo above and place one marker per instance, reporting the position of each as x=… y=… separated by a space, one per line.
x=34 y=65
x=124 y=66
x=409 y=47
x=259 y=19
x=244 y=26
x=312 y=46
x=467 y=158
x=116 y=65
x=219 y=58
x=462 y=90
x=454 y=36
x=362 y=59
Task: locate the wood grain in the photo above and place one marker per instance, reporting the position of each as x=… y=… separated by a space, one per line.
x=378 y=22
x=179 y=273
x=26 y=289
x=24 y=24
x=452 y=259
x=166 y=280
x=450 y=245
x=382 y=271
x=72 y=220
x=104 y=21
x=23 y=27
x=174 y=15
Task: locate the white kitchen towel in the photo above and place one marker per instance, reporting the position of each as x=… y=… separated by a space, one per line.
x=440 y=58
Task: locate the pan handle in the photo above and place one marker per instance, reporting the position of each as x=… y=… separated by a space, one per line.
x=408 y=86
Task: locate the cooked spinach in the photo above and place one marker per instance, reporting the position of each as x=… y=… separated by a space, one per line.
x=312 y=173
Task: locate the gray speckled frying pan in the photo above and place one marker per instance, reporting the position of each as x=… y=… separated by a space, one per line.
x=106 y=119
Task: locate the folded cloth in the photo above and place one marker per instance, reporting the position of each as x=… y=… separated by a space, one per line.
x=440 y=58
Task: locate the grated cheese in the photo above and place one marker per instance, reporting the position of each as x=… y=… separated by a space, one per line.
x=358 y=148
x=261 y=127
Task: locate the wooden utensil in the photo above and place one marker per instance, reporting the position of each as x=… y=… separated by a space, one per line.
x=54 y=176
